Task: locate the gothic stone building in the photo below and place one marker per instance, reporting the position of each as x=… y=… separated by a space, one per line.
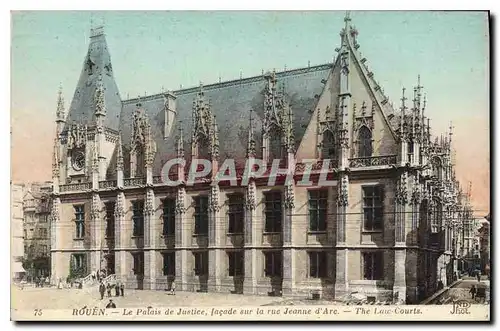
x=36 y=225
x=383 y=226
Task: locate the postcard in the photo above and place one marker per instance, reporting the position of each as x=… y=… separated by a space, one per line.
x=263 y=165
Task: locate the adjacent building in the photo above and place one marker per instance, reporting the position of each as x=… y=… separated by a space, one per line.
x=384 y=225
x=484 y=244
x=16 y=226
x=36 y=210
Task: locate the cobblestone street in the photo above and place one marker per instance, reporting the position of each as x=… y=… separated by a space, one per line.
x=51 y=298
x=461 y=291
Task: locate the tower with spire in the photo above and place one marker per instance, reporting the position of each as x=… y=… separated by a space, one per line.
x=385 y=201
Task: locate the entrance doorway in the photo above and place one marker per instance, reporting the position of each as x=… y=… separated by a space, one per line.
x=110 y=264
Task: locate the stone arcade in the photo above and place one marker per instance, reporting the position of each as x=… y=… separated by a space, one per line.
x=385 y=228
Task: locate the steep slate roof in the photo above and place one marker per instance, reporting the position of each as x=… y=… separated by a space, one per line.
x=230 y=103
x=97 y=62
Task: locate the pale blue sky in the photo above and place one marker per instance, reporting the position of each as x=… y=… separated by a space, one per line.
x=154 y=49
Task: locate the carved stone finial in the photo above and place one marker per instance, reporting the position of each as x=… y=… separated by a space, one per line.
x=140 y=123
x=251 y=146
x=60 y=113
x=150 y=146
x=214 y=137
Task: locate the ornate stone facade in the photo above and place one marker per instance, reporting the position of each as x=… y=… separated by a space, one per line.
x=391 y=189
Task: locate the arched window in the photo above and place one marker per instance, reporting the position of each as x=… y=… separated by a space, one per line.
x=328 y=151
x=365 y=142
x=436 y=167
x=274 y=144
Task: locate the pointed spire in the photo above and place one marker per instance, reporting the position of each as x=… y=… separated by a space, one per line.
x=119 y=153
x=55 y=158
x=423 y=117
x=180 y=142
x=403 y=109
x=290 y=134
x=60 y=113
x=88 y=100
x=419 y=92
x=251 y=149
x=215 y=140
x=344 y=31
x=100 y=106
x=428 y=129
x=450 y=134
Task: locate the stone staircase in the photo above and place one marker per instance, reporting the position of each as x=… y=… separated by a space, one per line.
x=88 y=282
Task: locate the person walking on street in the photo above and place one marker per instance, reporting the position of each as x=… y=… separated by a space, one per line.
x=108 y=287
x=102 y=289
x=117 y=289
x=122 y=289
x=473 y=291
x=172 y=288
x=478 y=275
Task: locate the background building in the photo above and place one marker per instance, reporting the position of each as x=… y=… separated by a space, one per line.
x=385 y=226
x=484 y=244
x=17 y=240
x=37 y=229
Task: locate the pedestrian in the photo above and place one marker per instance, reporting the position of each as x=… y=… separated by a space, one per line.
x=102 y=289
x=172 y=288
x=111 y=304
x=93 y=275
x=108 y=287
x=117 y=289
x=473 y=291
x=122 y=289
x=478 y=275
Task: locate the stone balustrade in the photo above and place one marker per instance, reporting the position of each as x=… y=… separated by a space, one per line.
x=107 y=184
x=373 y=161
x=76 y=187
x=134 y=181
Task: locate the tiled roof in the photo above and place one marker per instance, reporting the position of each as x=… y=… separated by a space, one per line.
x=230 y=103
x=97 y=62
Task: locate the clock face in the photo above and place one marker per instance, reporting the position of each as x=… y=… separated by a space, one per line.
x=78 y=161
